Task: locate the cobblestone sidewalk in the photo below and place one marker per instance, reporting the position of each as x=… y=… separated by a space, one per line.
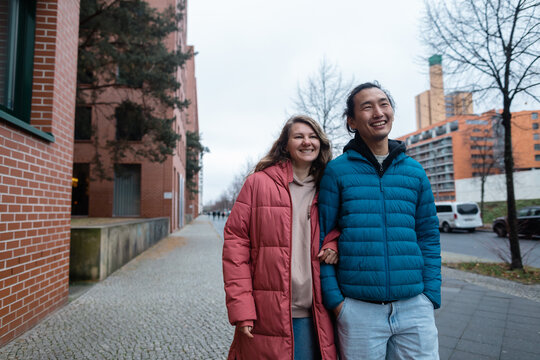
x=168 y=303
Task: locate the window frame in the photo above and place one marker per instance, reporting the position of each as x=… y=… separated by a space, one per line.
x=20 y=114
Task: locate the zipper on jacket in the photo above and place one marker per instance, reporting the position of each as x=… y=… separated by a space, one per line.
x=385 y=238
x=290 y=274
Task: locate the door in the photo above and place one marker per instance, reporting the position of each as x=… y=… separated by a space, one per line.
x=127 y=190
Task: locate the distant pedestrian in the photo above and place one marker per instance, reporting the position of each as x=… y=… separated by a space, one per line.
x=271 y=253
x=388 y=280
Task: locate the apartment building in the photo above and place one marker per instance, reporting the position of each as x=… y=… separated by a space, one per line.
x=137 y=187
x=433 y=105
x=38 y=66
x=468 y=146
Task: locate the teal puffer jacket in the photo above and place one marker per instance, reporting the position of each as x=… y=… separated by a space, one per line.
x=389 y=248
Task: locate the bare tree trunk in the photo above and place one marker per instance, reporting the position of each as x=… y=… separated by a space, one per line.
x=482 y=189
x=515 y=251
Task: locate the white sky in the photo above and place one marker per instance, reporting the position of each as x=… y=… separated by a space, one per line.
x=253 y=53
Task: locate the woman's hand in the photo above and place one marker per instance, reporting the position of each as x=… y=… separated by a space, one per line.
x=245 y=330
x=329 y=256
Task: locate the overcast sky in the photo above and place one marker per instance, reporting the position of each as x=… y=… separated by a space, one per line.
x=253 y=53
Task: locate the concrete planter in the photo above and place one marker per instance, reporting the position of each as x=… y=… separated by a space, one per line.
x=98 y=250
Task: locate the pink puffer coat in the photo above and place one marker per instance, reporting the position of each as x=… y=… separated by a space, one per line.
x=257 y=269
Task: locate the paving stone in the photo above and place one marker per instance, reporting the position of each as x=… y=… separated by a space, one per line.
x=479 y=348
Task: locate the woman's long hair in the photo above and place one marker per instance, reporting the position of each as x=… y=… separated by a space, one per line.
x=279 y=154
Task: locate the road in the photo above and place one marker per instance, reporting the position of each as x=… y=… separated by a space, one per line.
x=487 y=245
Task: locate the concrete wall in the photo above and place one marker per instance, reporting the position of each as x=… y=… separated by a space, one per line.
x=97 y=251
x=526 y=186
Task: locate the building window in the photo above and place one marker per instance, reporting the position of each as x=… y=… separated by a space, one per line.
x=454 y=126
x=17 y=25
x=536 y=146
x=129 y=122
x=534 y=115
x=536 y=136
x=535 y=126
x=537 y=157
x=83 y=123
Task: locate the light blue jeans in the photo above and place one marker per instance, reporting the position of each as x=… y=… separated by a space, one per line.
x=306 y=345
x=404 y=329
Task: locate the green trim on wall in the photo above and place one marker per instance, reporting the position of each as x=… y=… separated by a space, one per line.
x=25 y=126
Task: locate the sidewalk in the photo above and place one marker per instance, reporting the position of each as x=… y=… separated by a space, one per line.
x=168 y=303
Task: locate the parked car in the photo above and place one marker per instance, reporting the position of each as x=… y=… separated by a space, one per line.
x=528 y=219
x=458 y=215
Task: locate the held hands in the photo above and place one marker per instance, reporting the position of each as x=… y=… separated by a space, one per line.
x=245 y=330
x=329 y=256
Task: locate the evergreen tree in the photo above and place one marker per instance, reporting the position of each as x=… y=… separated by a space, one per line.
x=122 y=47
x=194 y=152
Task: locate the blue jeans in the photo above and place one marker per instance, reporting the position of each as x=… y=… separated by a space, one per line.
x=404 y=329
x=306 y=345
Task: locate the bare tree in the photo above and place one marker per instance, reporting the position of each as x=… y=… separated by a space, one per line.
x=484 y=156
x=494 y=44
x=239 y=179
x=322 y=97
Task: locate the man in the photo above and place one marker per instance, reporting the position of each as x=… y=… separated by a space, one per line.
x=387 y=282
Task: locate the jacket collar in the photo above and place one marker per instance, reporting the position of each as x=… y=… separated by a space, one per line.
x=281 y=172
x=359 y=147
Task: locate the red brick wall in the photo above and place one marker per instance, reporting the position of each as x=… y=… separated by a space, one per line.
x=156 y=179
x=35 y=180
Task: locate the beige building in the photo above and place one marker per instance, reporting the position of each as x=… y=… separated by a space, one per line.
x=433 y=106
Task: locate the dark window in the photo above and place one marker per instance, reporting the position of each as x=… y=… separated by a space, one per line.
x=536 y=136
x=467 y=209
x=537 y=157
x=17 y=25
x=535 y=126
x=443 y=208
x=129 y=122
x=534 y=115
x=536 y=146
x=83 y=123
x=454 y=126
x=523 y=212
x=80 y=181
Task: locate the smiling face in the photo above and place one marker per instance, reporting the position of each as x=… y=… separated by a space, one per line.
x=373 y=116
x=303 y=144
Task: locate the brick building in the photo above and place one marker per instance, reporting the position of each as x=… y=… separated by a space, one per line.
x=38 y=58
x=467 y=146
x=139 y=187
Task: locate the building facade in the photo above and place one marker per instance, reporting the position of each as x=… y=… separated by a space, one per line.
x=38 y=60
x=138 y=187
x=433 y=106
x=471 y=146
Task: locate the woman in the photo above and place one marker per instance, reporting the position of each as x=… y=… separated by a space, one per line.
x=271 y=252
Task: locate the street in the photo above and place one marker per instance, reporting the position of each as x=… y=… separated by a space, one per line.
x=486 y=245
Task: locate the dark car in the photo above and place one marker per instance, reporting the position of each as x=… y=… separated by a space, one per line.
x=528 y=220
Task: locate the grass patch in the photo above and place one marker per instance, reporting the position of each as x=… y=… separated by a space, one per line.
x=494 y=209
x=529 y=276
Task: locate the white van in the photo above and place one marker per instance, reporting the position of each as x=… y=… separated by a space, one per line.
x=458 y=215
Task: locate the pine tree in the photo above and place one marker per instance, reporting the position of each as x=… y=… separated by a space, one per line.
x=122 y=47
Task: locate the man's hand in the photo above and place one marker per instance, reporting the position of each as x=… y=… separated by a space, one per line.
x=329 y=256
x=245 y=330
x=338 y=308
